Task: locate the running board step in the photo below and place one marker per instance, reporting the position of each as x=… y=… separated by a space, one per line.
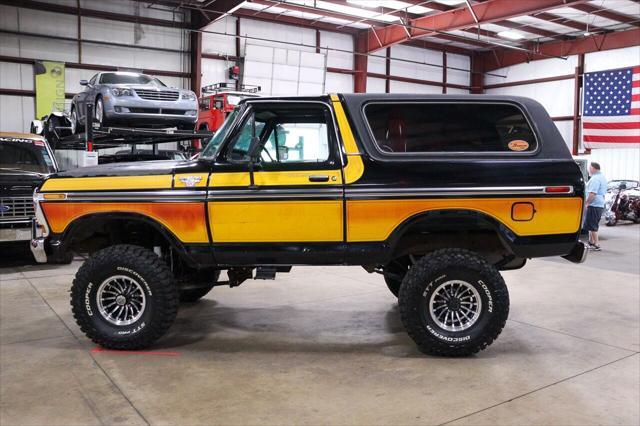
x=265 y=273
x=269 y=272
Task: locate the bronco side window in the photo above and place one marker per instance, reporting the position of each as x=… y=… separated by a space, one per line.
x=438 y=127
x=294 y=133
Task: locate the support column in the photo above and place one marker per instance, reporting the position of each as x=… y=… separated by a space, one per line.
x=387 y=83
x=360 y=63
x=239 y=62
x=196 y=61
x=577 y=85
x=444 y=72
x=477 y=74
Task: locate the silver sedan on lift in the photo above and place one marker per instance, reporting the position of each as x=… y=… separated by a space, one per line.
x=133 y=100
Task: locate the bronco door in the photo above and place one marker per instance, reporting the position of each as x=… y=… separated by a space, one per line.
x=276 y=191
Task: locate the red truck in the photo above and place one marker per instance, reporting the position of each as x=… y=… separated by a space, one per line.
x=217 y=101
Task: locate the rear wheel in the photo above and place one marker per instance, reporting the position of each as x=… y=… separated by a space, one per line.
x=124 y=297
x=453 y=303
x=76 y=127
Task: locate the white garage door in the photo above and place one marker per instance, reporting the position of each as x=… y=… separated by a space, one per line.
x=284 y=72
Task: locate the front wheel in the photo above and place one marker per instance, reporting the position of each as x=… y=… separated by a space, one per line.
x=453 y=303
x=99 y=113
x=124 y=297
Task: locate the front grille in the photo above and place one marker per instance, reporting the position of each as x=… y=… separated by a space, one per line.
x=145 y=110
x=16 y=208
x=162 y=95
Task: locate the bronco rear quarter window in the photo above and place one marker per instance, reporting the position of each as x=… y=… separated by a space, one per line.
x=448 y=128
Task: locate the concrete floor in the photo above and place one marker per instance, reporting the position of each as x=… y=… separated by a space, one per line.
x=325 y=346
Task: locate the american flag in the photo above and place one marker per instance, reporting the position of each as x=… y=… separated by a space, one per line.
x=611 y=109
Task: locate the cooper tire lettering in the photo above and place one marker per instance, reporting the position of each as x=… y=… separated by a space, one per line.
x=87 y=300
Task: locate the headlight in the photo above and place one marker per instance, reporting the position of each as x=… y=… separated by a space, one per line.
x=122 y=92
x=189 y=96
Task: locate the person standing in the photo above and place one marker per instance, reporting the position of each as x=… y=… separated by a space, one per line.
x=596 y=190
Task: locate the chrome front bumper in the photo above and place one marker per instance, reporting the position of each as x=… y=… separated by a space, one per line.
x=37 y=244
x=39 y=231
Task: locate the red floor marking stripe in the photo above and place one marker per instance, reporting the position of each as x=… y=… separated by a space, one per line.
x=99 y=350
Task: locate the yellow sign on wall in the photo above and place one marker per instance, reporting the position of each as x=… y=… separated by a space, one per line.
x=49 y=87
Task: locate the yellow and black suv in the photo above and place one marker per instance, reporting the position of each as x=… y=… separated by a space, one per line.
x=436 y=193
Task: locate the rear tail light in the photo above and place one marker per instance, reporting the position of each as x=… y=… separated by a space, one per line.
x=558 y=189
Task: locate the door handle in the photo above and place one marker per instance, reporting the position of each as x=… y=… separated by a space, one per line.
x=318 y=178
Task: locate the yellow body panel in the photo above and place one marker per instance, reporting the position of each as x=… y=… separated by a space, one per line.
x=274 y=178
x=180 y=178
x=108 y=183
x=354 y=169
x=375 y=220
x=276 y=221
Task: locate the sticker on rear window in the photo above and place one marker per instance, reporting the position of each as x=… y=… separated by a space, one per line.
x=518 y=145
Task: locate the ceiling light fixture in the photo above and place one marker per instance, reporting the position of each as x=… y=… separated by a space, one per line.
x=511 y=35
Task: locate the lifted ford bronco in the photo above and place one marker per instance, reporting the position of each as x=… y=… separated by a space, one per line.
x=436 y=193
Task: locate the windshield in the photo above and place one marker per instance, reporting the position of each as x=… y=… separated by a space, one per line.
x=216 y=140
x=25 y=154
x=129 y=78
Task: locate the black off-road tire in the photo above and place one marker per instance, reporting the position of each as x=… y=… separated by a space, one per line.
x=198 y=286
x=395 y=272
x=439 y=267
x=393 y=285
x=153 y=275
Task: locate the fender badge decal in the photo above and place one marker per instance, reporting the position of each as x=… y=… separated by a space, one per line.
x=518 y=145
x=190 y=181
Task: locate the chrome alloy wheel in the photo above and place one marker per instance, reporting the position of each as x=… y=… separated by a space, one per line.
x=121 y=300
x=455 y=305
x=99 y=111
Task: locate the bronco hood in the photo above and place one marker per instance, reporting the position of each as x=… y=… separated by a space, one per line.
x=139 y=168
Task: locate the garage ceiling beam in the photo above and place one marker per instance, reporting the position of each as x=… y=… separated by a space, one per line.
x=291 y=20
x=614 y=40
x=466 y=40
x=315 y=24
x=491 y=11
x=614 y=16
x=441 y=47
x=218 y=9
x=93 y=13
x=372 y=21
